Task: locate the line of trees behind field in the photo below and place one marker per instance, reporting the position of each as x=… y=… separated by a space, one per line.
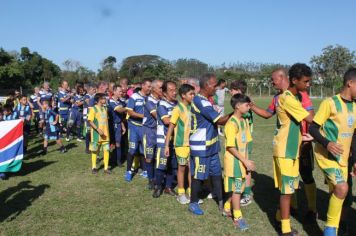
x=26 y=69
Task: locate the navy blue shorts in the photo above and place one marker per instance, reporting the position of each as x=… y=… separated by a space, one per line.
x=203 y=167
x=135 y=139
x=149 y=142
x=166 y=163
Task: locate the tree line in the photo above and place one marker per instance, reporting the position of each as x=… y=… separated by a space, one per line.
x=27 y=69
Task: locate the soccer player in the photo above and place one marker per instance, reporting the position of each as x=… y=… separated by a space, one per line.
x=35 y=107
x=76 y=113
x=51 y=119
x=24 y=112
x=236 y=161
x=135 y=116
x=165 y=166
x=287 y=140
x=333 y=129
x=149 y=129
x=86 y=107
x=98 y=120
x=64 y=105
x=180 y=123
x=280 y=82
x=240 y=87
x=116 y=124
x=8 y=112
x=204 y=144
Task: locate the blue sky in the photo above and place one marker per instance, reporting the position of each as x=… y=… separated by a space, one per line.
x=212 y=31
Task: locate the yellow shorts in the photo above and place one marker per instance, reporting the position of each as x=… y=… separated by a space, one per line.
x=234 y=184
x=182 y=154
x=97 y=146
x=333 y=172
x=286 y=174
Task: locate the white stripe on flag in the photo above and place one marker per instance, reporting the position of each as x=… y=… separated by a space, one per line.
x=12 y=144
x=7 y=126
x=18 y=157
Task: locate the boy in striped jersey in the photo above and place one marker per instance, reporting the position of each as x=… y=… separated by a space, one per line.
x=333 y=129
x=181 y=124
x=165 y=166
x=98 y=120
x=287 y=140
x=236 y=161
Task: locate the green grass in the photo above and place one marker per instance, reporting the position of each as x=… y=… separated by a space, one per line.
x=57 y=195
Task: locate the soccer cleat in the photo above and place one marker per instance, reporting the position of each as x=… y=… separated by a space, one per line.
x=170 y=192
x=241 y=224
x=156 y=192
x=2 y=176
x=246 y=200
x=94 y=171
x=108 y=172
x=294 y=232
x=200 y=201
x=144 y=174
x=79 y=140
x=210 y=196
x=128 y=176
x=67 y=139
x=182 y=199
x=63 y=150
x=195 y=208
x=311 y=217
x=330 y=231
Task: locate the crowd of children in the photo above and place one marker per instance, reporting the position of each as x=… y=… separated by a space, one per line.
x=172 y=138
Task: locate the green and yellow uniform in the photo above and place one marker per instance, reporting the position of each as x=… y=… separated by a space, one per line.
x=337 y=120
x=181 y=118
x=99 y=116
x=238 y=135
x=286 y=142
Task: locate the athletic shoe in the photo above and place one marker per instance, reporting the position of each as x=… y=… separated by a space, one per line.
x=330 y=231
x=156 y=192
x=246 y=200
x=79 y=140
x=210 y=196
x=144 y=174
x=311 y=217
x=63 y=150
x=128 y=176
x=108 y=172
x=67 y=139
x=2 y=176
x=200 y=201
x=241 y=224
x=182 y=199
x=170 y=191
x=294 y=232
x=195 y=208
x=94 y=171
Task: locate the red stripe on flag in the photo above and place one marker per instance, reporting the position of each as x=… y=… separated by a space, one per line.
x=11 y=136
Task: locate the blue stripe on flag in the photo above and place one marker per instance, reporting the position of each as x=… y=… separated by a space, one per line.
x=12 y=152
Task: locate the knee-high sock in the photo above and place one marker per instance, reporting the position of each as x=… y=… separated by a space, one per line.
x=334 y=211
x=310 y=193
x=195 y=190
x=87 y=140
x=130 y=158
x=159 y=177
x=149 y=168
x=217 y=187
x=93 y=160
x=79 y=134
x=118 y=155
x=106 y=159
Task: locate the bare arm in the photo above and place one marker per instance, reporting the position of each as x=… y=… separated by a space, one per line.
x=134 y=114
x=260 y=112
x=250 y=165
x=223 y=120
x=168 y=138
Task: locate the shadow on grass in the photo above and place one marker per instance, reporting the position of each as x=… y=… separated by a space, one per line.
x=15 y=200
x=30 y=167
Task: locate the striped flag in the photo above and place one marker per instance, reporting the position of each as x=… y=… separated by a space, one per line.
x=11 y=145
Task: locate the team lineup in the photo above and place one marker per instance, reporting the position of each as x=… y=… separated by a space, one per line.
x=171 y=133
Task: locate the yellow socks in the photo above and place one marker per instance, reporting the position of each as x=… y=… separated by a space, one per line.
x=227 y=206
x=93 y=160
x=310 y=192
x=285 y=223
x=188 y=192
x=181 y=191
x=106 y=160
x=334 y=211
x=237 y=214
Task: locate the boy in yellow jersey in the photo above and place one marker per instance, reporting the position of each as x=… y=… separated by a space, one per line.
x=98 y=120
x=333 y=129
x=236 y=162
x=287 y=140
x=180 y=122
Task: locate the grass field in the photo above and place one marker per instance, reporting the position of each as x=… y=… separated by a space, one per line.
x=56 y=194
